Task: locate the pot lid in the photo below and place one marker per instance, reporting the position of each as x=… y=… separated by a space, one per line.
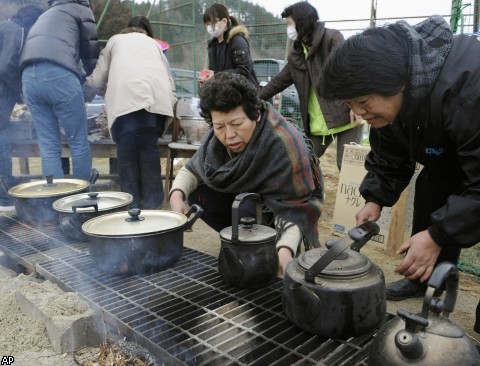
x=348 y=264
x=48 y=188
x=134 y=223
x=250 y=233
x=85 y=202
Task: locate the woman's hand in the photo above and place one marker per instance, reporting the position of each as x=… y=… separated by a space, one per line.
x=420 y=258
x=205 y=75
x=370 y=212
x=284 y=257
x=177 y=202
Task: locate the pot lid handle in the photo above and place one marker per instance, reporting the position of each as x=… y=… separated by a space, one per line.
x=49 y=179
x=235 y=212
x=85 y=204
x=134 y=214
x=357 y=238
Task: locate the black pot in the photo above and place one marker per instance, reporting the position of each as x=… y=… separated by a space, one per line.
x=336 y=293
x=33 y=200
x=136 y=242
x=74 y=210
x=248 y=256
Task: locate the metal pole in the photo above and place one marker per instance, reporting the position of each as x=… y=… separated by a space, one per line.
x=103 y=14
x=456 y=13
x=373 y=14
x=476 y=16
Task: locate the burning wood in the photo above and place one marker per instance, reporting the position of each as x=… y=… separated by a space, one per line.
x=119 y=353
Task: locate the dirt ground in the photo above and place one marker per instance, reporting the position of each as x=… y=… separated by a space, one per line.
x=204 y=239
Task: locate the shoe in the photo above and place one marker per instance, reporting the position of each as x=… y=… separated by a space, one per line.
x=407 y=289
x=404 y=289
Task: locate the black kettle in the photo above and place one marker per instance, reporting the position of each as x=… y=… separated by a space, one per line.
x=248 y=256
x=336 y=292
x=428 y=338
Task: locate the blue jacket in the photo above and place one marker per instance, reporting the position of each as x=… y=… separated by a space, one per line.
x=64 y=35
x=13 y=33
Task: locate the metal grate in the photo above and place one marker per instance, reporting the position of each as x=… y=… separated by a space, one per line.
x=185 y=315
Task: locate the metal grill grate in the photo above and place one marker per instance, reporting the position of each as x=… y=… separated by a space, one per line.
x=185 y=315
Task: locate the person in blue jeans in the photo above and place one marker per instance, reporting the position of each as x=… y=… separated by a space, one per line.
x=60 y=51
x=12 y=37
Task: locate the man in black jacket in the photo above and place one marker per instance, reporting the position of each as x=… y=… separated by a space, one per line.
x=12 y=37
x=60 y=51
x=419 y=89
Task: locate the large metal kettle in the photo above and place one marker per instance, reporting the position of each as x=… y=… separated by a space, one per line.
x=336 y=292
x=428 y=338
x=248 y=256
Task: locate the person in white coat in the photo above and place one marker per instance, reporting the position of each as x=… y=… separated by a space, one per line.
x=139 y=92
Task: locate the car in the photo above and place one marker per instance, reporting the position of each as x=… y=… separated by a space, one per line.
x=287 y=102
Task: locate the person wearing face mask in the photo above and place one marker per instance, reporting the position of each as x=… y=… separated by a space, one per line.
x=228 y=50
x=323 y=120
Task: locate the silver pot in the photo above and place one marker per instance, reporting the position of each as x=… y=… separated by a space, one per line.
x=33 y=200
x=137 y=241
x=74 y=210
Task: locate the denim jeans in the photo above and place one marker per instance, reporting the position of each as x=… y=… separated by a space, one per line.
x=8 y=98
x=54 y=96
x=139 y=159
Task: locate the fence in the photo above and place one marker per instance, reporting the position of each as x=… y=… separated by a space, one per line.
x=180 y=24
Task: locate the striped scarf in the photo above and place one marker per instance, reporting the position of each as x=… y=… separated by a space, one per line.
x=277 y=164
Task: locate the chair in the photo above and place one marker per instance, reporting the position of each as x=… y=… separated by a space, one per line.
x=178 y=148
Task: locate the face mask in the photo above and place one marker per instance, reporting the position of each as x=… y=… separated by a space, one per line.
x=292 y=32
x=215 y=32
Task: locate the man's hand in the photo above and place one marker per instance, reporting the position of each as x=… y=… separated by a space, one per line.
x=370 y=212
x=421 y=255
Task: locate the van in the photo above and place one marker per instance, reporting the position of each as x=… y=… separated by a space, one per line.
x=287 y=102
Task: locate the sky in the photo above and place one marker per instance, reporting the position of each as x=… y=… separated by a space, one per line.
x=353 y=10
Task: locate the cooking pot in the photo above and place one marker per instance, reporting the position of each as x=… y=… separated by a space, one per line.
x=74 y=210
x=336 y=292
x=248 y=256
x=428 y=338
x=137 y=241
x=195 y=128
x=33 y=200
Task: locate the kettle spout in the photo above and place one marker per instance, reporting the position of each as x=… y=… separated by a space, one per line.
x=409 y=344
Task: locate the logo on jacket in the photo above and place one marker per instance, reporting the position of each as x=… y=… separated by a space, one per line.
x=432 y=151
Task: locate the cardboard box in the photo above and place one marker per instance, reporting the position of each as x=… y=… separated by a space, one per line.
x=349 y=200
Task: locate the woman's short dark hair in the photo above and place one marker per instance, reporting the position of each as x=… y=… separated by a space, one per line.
x=305 y=17
x=372 y=62
x=227 y=91
x=217 y=12
x=141 y=21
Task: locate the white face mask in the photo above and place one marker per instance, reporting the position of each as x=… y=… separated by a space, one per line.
x=292 y=32
x=215 y=31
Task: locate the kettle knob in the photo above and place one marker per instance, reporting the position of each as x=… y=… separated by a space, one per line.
x=408 y=344
x=247 y=222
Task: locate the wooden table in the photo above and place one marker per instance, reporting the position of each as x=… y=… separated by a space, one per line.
x=106 y=148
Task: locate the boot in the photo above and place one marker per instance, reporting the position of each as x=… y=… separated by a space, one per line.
x=407 y=289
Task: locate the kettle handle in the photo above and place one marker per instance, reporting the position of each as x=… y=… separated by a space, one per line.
x=357 y=238
x=445 y=272
x=235 y=212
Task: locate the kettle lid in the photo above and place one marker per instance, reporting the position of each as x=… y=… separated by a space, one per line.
x=348 y=264
x=250 y=233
